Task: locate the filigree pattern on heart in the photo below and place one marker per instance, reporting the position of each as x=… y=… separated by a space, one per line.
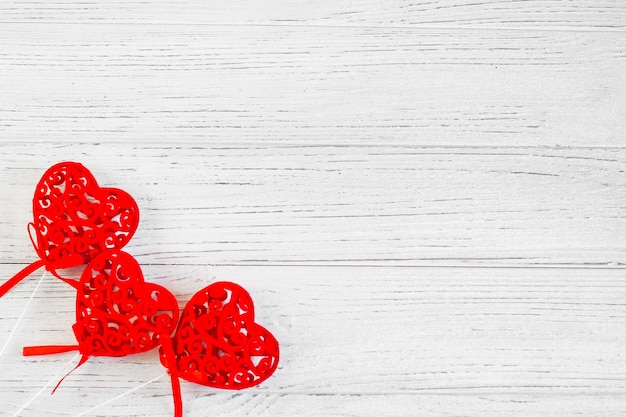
x=75 y=219
x=217 y=342
x=117 y=313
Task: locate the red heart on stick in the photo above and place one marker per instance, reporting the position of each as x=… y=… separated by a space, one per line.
x=117 y=313
x=218 y=344
x=75 y=219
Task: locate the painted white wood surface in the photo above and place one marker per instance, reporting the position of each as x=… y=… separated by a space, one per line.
x=167 y=84
x=597 y=15
x=365 y=341
x=347 y=205
x=426 y=200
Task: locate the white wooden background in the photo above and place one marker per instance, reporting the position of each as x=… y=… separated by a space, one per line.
x=427 y=200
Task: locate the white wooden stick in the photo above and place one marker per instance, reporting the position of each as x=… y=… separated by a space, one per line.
x=130 y=391
x=55 y=377
x=19 y=319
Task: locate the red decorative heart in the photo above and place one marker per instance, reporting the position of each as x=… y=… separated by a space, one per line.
x=75 y=219
x=218 y=344
x=117 y=313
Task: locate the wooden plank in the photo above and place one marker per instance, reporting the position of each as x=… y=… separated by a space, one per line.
x=425 y=200
x=345 y=205
x=488 y=340
x=310 y=85
x=542 y=14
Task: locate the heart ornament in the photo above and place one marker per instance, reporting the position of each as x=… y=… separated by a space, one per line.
x=217 y=342
x=75 y=219
x=117 y=312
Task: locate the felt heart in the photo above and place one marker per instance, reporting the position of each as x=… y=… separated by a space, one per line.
x=117 y=313
x=218 y=344
x=75 y=219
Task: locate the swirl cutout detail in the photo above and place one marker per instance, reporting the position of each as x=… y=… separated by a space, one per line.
x=218 y=343
x=117 y=312
x=75 y=219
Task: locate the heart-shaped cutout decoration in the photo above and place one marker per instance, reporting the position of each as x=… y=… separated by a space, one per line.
x=218 y=344
x=117 y=313
x=75 y=219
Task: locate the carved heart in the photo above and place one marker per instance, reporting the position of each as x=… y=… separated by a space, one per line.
x=75 y=219
x=217 y=342
x=117 y=313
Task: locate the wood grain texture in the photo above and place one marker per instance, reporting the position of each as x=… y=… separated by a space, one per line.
x=426 y=200
x=310 y=85
x=598 y=15
x=350 y=205
x=357 y=338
